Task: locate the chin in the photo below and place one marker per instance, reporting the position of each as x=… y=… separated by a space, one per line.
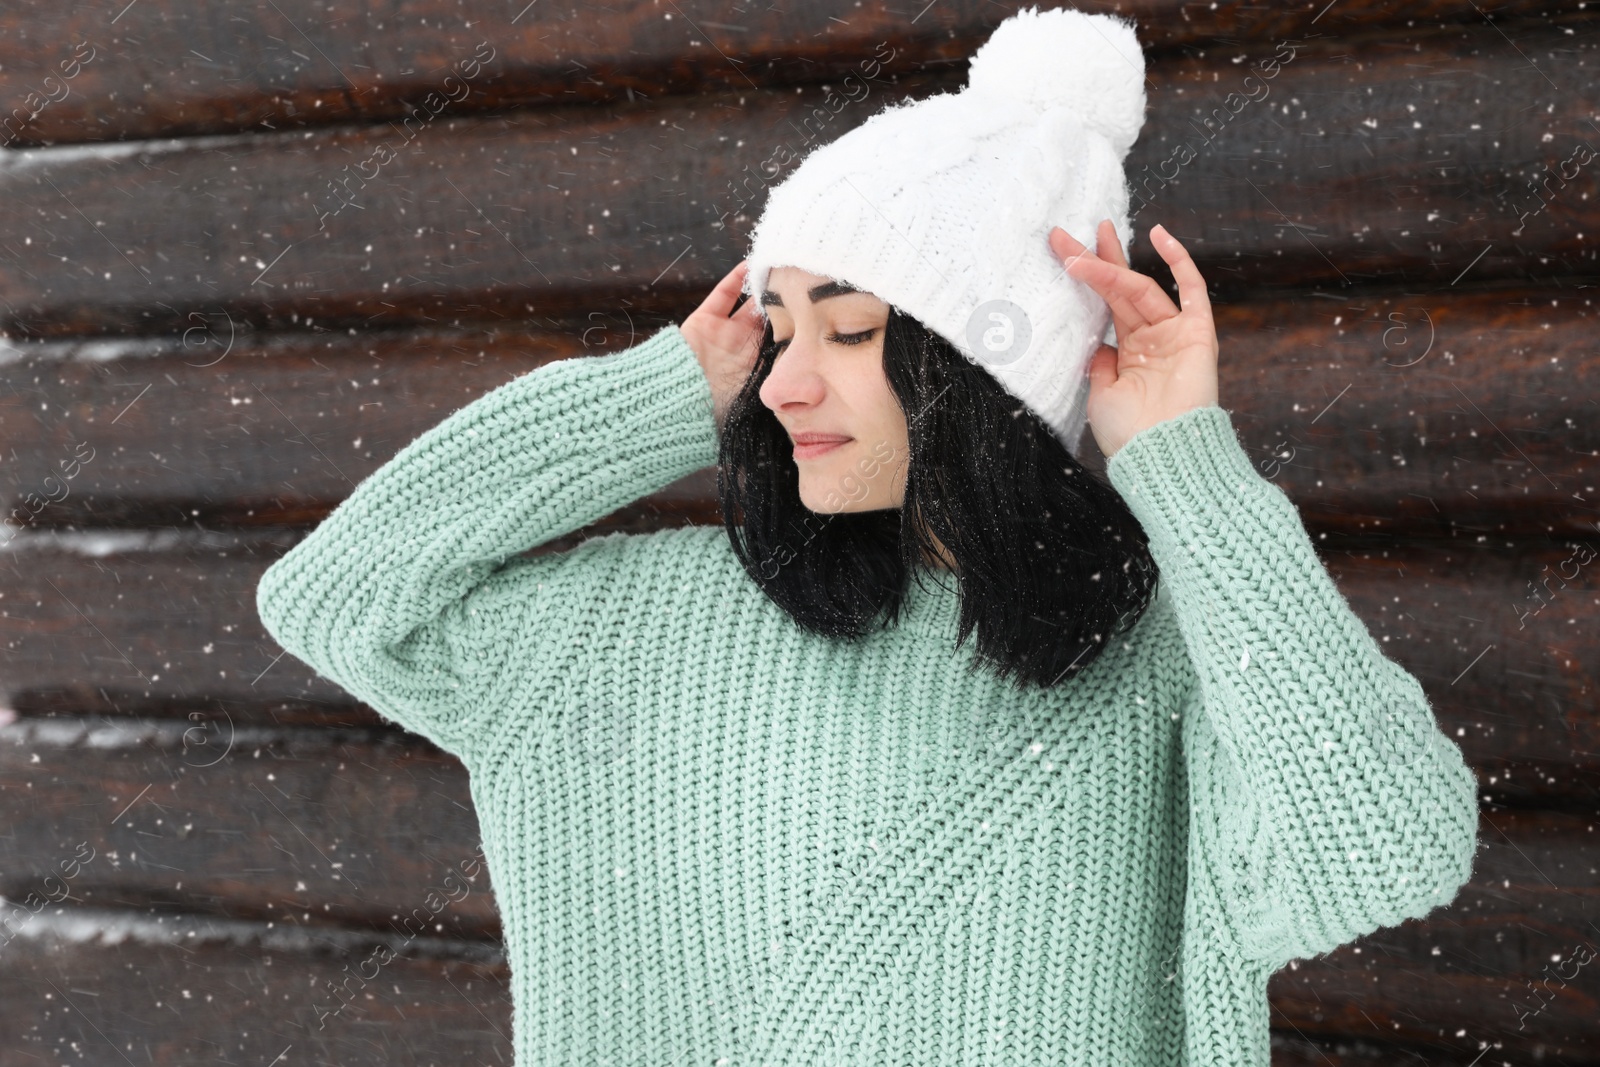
x=849 y=479
x=823 y=496
x=816 y=495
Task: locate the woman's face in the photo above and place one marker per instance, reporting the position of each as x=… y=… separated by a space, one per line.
x=828 y=383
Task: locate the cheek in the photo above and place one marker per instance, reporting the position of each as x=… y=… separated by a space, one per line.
x=886 y=439
x=874 y=402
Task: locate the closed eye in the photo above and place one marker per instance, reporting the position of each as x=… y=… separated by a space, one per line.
x=838 y=338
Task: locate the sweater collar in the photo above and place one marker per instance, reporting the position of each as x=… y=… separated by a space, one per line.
x=932 y=604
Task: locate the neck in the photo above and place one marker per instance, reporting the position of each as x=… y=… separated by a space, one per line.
x=939 y=558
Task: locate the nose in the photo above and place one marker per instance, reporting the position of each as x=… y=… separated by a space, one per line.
x=794 y=381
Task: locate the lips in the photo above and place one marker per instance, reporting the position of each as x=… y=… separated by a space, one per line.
x=810 y=445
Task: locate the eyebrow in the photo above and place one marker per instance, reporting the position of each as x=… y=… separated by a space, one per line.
x=815 y=293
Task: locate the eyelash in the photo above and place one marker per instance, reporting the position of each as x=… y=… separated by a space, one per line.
x=845 y=339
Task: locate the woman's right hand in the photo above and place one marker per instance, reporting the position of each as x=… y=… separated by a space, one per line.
x=726 y=347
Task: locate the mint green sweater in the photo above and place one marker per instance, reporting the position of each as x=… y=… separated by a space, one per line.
x=717 y=840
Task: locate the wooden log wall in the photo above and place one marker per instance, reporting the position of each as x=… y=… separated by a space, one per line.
x=250 y=250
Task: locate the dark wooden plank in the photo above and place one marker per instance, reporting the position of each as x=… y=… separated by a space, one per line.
x=216 y=817
x=1403 y=171
x=159 y=69
x=1421 y=416
x=1423 y=1013
x=1445 y=416
x=174 y=632
x=1289 y=1049
x=1411 y=1005
x=88 y=984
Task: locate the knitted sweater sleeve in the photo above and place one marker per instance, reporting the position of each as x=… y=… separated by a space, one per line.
x=1324 y=801
x=407 y=594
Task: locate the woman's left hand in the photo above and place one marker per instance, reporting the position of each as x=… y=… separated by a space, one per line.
x=1165 y=360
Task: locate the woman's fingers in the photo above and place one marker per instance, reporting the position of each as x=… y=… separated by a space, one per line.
x=751 y=308
x=1103 y=368
x=721 y=298
x=1100 y=276
x=1191 y=286
x=1108 y=247
x=748 y=314
x=1135 y=297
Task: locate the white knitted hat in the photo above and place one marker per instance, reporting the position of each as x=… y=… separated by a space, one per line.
x=942 y=207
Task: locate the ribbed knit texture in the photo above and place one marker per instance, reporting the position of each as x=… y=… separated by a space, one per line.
x=717 y=840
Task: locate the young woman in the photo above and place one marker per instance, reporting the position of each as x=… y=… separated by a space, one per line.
x=757 y=795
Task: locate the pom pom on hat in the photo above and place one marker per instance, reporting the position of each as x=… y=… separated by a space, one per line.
x=1091 y=64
